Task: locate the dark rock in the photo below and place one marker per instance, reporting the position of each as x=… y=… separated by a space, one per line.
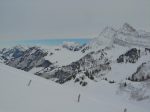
x=130 y=56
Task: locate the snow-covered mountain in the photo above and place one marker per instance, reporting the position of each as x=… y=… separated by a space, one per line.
x=117 y=61
x=126 y=36
x=14 y=52
x=63 y=63
x=24 y=59
x=142 y=73
x=74 y=46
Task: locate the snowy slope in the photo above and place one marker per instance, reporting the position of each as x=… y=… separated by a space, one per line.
x=45 y=96
x=62 y=56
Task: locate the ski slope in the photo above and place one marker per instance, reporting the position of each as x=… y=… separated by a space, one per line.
x=46 y=96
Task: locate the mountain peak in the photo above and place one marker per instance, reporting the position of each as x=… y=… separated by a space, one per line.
x=105 y=38
x=127 y=28
x=107 y=30
x=73 y=46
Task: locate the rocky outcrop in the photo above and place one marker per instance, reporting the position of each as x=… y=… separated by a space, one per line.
x=12 y=53
x=94 y=63
x=142 y=73
x=130 y=56
x=25 y=59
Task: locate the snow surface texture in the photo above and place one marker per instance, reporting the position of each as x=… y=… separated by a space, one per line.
x=45 y=96
x=61 y=56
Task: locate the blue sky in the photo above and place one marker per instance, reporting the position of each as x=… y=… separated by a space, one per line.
x=39 y=42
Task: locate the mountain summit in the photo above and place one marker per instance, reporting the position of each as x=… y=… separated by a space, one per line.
x=127 y=28
x=124 y=36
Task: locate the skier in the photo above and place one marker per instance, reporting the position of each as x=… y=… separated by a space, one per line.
x=29 y=82
x=79 y=98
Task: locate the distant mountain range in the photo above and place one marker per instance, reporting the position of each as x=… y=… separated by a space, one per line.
x=117 y=55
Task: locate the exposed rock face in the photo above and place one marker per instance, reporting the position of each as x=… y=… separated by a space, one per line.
x=142 y=73
x=14 y=52
x=130 y=56
x=95 y=63
x=44 y=64
x=25 y=59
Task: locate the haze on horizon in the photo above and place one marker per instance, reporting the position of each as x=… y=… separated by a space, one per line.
x=20 y=19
